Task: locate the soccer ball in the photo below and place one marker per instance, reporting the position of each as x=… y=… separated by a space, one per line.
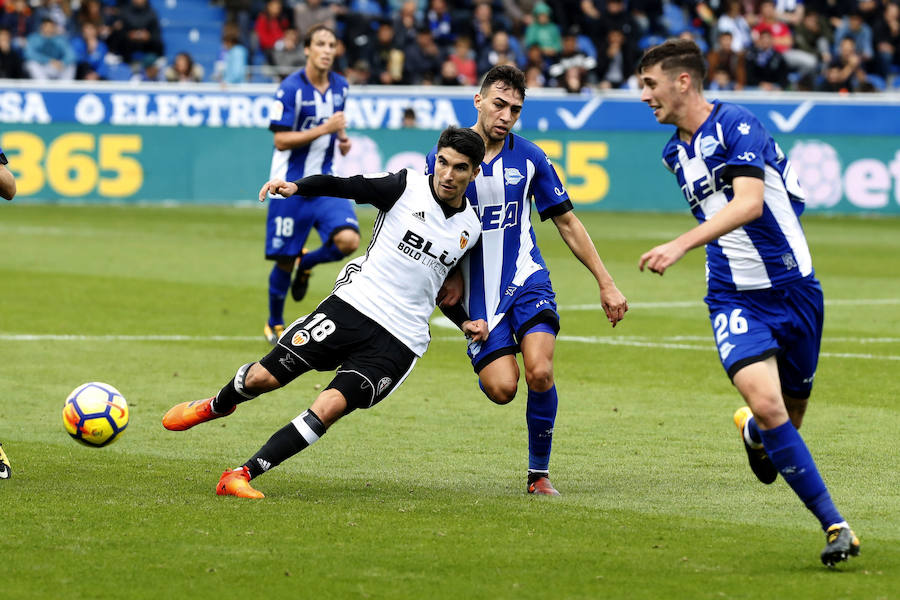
x=95 y=414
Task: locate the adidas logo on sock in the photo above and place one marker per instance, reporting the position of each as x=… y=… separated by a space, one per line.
x=420 y=215
x=266 y=465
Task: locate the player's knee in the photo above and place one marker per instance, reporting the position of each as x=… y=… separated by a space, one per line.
x=539 y=377
x=347 y=241
x=259 y=380
x=500 y=392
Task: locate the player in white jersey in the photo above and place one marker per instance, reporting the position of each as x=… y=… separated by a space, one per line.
x=507 y=282
x=765 y=304
x=374 y=326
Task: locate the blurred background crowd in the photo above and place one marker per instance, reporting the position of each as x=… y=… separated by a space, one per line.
x=576 y=45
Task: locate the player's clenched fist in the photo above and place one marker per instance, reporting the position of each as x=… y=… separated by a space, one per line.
x=277 y=187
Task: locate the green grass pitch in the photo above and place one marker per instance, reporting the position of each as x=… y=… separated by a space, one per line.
x=424 y=496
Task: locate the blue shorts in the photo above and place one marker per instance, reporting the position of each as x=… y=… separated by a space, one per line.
x=751 y=326
x=534 y=302
x=291 y=219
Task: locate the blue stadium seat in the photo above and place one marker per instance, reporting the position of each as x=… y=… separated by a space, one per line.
x=877 y=81
x=587 y=46
x=673 y=18
x=650 y=40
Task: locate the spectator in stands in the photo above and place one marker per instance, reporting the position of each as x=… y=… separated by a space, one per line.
x=591 y=18
x=441 y=24
x=449 y=75
x=241 y=12
x=91 y=11
x=90 y=54
x=782 y=38
x=288 y=54
x=854 y=26
x=648 y=14
x=60 y=12
x=887 y=40
x=790 y=12
x=484 y=25
x=232 y=64
x=270 y=27
x=313 y=12
x=136 y=32
x=572 y=57
x=519 y=13
x=422 y=59
x=150 y=70
x=733 y=22
x=359 y=73
x=543 y=31
x=386 y=59
x=11 y=64
x=724 y=60
x=814 y=36
x=18 y=19
x=409 y=118
x=499 y=53
x=766 y=67
x=406 y=25
x=616 y=63
x=534 y=78
x=845 y=72
x=48 y=54
x=534 y=57
x=616 y=17
x=183 y=70
x=463 y=57
x=798 y=61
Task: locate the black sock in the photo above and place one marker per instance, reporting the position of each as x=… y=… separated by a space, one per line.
x=535 y=475
x=233 y=393
x=286 y=442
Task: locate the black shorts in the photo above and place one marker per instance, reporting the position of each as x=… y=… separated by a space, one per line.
x=370 y=362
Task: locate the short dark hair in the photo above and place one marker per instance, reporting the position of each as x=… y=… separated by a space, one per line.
x=509 y=75
x=465 y=141
x=307 y=41
x=677 y=55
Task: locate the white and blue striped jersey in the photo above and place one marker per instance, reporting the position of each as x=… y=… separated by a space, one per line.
x=508 y=253
x=770 y=251
x=298 y=106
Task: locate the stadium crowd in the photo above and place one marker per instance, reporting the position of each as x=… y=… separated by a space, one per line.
x=577 y=45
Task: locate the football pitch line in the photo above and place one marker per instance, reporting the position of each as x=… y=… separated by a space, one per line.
x=699 y=304
x=666 y=343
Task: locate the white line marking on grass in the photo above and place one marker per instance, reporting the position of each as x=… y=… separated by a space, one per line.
x=646 y=343
x=27 y=337
x=633 y=341
x=697 y=304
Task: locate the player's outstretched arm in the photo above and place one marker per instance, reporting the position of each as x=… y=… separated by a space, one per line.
x=576 y=237
x=278 y=187
x=746 y=206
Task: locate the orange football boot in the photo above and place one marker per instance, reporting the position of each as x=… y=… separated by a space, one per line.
x=187 y=414
x=236 y=482
x=542 y=487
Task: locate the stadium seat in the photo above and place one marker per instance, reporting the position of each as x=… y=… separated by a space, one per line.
x=877 y=81
x=673 y=18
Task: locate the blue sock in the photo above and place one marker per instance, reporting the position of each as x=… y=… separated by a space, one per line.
x=789 y=454
x=279 y=283
x=325 y=253
x=540 y=414
x=753 y=430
